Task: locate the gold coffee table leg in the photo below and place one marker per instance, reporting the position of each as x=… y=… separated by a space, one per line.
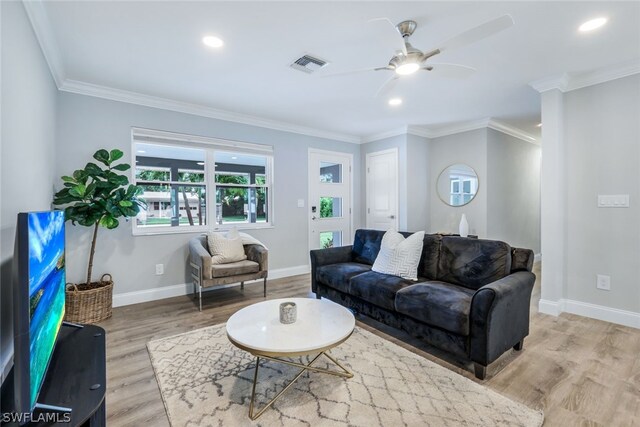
x=345 y=374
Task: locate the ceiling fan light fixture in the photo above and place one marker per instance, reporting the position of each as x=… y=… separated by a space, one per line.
x=592 y=24
x=394 y=102
x=407 y=68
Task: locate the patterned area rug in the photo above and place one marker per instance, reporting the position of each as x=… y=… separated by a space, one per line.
x=206 y=381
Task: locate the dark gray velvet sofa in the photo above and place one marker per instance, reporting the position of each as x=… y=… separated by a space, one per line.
x=471 y=299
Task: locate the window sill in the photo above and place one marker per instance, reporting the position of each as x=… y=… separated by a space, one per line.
x=195 y=230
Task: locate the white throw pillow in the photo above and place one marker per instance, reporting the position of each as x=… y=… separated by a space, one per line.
x=226 y=249
x=399 y=256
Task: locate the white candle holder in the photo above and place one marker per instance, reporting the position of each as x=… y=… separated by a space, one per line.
x=288 y=312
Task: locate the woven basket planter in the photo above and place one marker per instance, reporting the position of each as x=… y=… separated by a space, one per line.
x=89 y=305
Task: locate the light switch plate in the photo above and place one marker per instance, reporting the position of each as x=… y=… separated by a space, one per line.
x=613 y=200
x=603 y=282
x=301 y=203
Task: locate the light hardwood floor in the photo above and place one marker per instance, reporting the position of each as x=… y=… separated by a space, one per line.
x=581 y=372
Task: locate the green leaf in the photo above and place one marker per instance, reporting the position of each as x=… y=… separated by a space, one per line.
x=118 y=180
x=68 y=179
x=93 y=170
x=109 y=222
x=80 y=176
x=78 y=191
x=122 y=167
x=115 y=155
x=102 y=156
x=125 y=203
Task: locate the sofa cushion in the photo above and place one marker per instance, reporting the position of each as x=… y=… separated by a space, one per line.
x=400 y=256
x=430 y=254
x=378 y=288
x=366 y=245
x=439 y=304
x=473 y=263
x=337 y=276
x=234 y=268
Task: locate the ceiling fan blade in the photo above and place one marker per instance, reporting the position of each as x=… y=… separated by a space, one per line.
x=361 y=70
x=452 y=71
x=387 y=86
x=478 y=33
x=397 y=34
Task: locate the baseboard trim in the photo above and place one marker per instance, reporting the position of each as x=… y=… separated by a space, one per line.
x=154 y=294
x=594 y=311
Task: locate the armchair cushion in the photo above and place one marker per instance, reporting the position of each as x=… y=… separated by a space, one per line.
x=438 y=304
x=234 y=268
x=225 y=248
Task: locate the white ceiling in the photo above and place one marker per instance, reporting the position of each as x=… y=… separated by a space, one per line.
x=155 y=48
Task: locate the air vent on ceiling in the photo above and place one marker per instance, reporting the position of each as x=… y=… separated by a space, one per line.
x=308 y=64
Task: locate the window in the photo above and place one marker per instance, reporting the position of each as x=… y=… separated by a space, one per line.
x=463 y=188
x=182 y=176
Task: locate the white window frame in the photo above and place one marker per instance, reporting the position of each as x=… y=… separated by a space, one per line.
x=210 y=146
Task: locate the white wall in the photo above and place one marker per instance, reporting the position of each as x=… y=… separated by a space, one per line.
x=469 y=148
x=418 y=184
x=592 y=139
x=27 y=150
x=513 y=191
x=87 y=124
x=602 y=131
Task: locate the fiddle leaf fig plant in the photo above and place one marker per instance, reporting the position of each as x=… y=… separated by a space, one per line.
x=98 y=195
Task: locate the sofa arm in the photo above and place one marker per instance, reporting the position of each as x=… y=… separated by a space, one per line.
x=500 y=316
x=201 y=257
x=259 y=254
x=320 y=257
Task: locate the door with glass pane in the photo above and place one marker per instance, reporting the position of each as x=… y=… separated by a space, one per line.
x=329 y=202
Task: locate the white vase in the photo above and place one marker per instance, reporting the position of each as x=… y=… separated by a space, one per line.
x=464 y=226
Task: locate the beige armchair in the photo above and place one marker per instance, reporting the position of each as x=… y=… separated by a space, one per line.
x=205 y=274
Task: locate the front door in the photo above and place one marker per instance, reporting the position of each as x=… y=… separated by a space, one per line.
x=382 y=190
x=329 y=206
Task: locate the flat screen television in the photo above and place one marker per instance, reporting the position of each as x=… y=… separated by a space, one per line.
x=39 y=298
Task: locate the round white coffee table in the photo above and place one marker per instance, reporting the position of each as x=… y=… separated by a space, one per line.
x=320 y=326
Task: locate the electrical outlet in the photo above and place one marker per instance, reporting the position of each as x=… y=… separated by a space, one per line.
x=603 y=282
x=159 y=269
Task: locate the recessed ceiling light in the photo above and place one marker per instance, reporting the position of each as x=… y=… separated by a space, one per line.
x=212 y=41
x=407 y=68
x=234 y=158
x=395 y=101
x=141 y=151
x=539 y=125
x=592 y=24
x=200 y=163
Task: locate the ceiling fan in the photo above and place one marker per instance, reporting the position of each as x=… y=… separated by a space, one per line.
x=408 y=59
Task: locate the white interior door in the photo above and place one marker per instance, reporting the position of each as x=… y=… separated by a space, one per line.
x=329 y=206
x=382 y=189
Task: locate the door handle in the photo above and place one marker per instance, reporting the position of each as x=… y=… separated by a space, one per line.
x=313 y=218
x=392 y=217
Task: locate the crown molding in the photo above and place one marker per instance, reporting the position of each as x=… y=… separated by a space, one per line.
x=512 y=131
x=459 y=128
x=419 y=131
x=136 y=98
x=44 y=34
x=403 y=130
x=567 y=82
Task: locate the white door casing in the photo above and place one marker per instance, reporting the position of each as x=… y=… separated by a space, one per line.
x=382 y=189
x=330 y=197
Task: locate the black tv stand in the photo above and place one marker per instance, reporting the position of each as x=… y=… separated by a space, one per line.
x=76 y=379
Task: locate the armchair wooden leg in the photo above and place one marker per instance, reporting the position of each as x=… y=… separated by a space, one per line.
x=265 y=287
x=480 y=371
x=200 y=296
x=519 y=346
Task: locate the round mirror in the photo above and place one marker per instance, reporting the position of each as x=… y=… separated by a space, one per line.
x=457 y=184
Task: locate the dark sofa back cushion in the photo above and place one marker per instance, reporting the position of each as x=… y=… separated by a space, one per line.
x=473 y=263
x=366 y=245
x=521 y=259
x=428 y=266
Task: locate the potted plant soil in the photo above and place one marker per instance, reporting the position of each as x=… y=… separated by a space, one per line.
x=96 y=196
